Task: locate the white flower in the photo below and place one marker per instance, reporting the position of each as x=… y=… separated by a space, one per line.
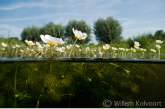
x=113 y=48
x=87 y=49
x=121 y=49
x=63 y=48
x=21 y=50
x=106 y=47
x=79 y=35
x=40 y=48
x=13 y=47
x=38 y=44
x=158 y=46
x=78 y=46
x=29 y=43
x=46 y=45
x=153 y=50
x=68 y=46
x=17 y=46
x=60 y=49
x=126 y=49
x=143 y=50
x=159 y=41
x=60 y=41
x=100 y=53
x=136 y=44
x=4 y=44
x=48 y=39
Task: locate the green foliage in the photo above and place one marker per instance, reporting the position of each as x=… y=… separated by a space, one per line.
x=108 y=30
x=79 y=25
x=31 y=33
x=143 y=39
x=55 y=30
x=130 y=42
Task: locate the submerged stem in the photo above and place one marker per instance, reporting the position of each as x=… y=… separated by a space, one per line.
x=38 y=102
x=15 y=85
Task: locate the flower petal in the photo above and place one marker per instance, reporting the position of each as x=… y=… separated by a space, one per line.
x=73 y=30
x=45 y=40
x=53 y=39
x=48 y=37
x=84 y=35
x=61 y=41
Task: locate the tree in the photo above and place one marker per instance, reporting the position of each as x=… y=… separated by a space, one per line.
x=53 y=30
x=159 y=34
x=108 y=30
x=31 y=33
x=79 y=25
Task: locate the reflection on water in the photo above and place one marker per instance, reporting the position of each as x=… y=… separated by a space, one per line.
x=81 y=84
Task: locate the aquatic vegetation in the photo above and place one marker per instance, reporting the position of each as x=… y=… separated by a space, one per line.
x=81 y=84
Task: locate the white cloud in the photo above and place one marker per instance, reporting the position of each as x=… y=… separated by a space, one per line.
x=110 y=3
x=29 y=5
x=151 y=21
x=134 y=27
x=133 y=23
x=44 y=16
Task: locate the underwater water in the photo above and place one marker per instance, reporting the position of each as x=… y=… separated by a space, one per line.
x=91 y=84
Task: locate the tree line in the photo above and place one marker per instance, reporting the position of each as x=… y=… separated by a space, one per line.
x=146 y=39
x=105 y=30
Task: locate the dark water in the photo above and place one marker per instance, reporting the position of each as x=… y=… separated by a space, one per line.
x=82 y=84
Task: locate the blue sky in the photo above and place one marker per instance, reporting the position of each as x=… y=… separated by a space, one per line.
x=135 y=16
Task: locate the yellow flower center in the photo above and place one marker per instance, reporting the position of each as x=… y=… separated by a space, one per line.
x=104 y=49
x=28 y=43
x=50 y=43
x=76 y=36
x=80 y=38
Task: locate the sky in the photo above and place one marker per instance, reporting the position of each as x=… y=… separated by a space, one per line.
x=135 y=16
